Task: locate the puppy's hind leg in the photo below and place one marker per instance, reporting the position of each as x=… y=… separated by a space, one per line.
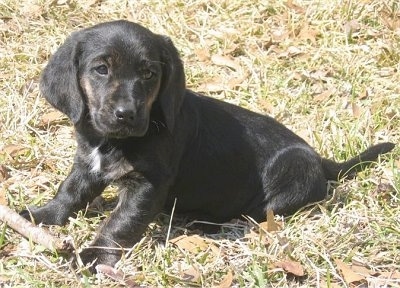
x=292 y=179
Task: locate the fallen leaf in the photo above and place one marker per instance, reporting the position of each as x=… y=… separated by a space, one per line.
x=3 y=199
x=265 y=105
x=361 y=270
x=14 y=150
x=291 y=267
x=116 y=275
x=110 y=272
x=324 y=95
x=356 y=110
x=270 y=225
x=202 y=54
x=364 y=94
x=308 y=33
x=3 y=173
x=51 y=118
x=235 y=82
x=232 y=49
x=320 y=75
x=226 y=60
x=31 y=10
x=348 y=274
x=227 y=281
x=390 y=275
x=212 y=86
x=194 y=244
x=191 y=274
x=293 y=6
x=291 y=52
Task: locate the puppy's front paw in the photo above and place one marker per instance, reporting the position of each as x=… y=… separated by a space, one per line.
x=27 y=215
x=94 y=256
x=46 y=215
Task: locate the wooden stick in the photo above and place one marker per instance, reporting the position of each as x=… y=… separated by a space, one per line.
x=32 y=232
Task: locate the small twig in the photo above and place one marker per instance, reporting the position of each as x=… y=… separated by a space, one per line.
x=32 y=232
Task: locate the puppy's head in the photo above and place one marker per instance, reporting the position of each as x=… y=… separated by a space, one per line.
x=113 y=74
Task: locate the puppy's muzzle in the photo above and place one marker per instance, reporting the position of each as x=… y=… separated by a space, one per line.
x=125 y=115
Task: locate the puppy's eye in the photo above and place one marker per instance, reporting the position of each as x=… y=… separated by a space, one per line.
x=147 y=74
x=102 y=69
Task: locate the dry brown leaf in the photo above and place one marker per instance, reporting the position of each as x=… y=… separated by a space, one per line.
x=292 y=51
x=31 y=10
x=116 y=275
x=308 y=33
x=348 y=274
x=212 y=86
x=226 y=60
x=293 y=6
x=265 y=105
x=3 y=199
x=297 y=76
x=13 y=150
x=357 y=111
x=191 y=274
x=230 y=50
x=291 y=267
x=364 y=94
x=361 y=270
x=324 y=95
x=390 y=275
x=320 y=75
x=194 y=243
x=270 y=225
x=202 y=54
x=51 y=118
x=3 y=173
x=235 y=82
x=3 y=177
x=227 y=281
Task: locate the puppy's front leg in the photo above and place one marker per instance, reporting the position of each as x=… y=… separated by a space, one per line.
x=74 y=193
x=139 y=202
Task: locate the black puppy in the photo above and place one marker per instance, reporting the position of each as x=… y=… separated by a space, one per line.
x=136 y=125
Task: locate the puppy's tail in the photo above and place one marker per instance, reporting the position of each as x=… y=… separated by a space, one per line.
x=349 y=169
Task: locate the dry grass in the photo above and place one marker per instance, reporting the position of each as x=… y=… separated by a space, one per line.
x=327 y=69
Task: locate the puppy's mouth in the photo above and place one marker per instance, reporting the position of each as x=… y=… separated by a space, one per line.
x=111 y=128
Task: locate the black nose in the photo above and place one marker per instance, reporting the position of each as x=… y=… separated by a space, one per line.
x=124 y=115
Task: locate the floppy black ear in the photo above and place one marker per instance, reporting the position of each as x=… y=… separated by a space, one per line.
x=59 y=82
x=172 y=89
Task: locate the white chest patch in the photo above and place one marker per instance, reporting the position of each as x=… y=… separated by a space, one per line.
x=112 y=165
x=95 y=160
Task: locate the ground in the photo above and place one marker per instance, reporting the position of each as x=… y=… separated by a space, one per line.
x=329 y=70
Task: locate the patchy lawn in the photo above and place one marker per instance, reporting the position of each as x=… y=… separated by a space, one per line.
x=327 y=69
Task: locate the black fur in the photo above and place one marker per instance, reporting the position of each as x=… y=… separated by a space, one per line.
x=136 y=125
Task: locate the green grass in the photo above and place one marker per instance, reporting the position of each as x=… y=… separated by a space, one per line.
x=329 y=70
